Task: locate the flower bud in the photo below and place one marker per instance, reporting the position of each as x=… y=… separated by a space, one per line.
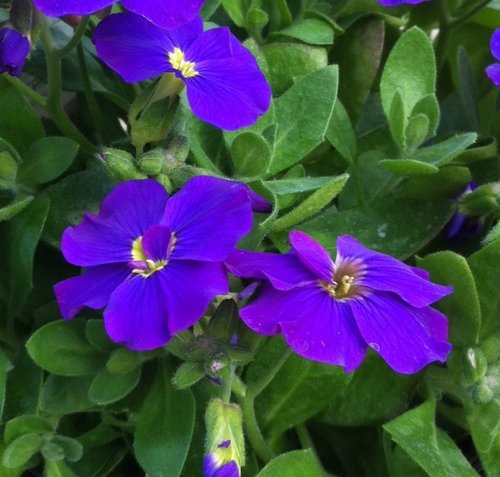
x=225 y=443
x=121 y=165
x=14 y=49
x=481 y=393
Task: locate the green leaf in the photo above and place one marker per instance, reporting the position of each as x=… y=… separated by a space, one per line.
x=313 y=31
x=444 y=152
x=250 y=155
x=297 y=185
x=484 y=266
x=62 y=395
x=462 y=307
x=14 y=208
x=416 y=131
x=21 y=450
x=8 y=170
x=62 y=348
x=429 y=107
x=26 y=425
x=24 y=232
x=312 y=205
x=410 y=69
x=123 y=361
x=431 y=448
x=58 y=469
x=72 y=449
x=107 y=387
x=341 y=133
x=71 y=197
x=5 y=366
x=288 y=61
x=408 y=167
x=46 y=159
x=187 y=374
x=236 y=9
x=389 y=225
x=164 y=428
x=299 y=463
x=375 y=394
x=484 y=424
x=398 y=120
x=300 y=389
x=19 y=124
x=302 y=115
x=359 y=51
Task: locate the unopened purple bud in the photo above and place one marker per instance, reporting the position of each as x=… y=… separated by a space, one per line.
x=216 y=464
x=14 y=49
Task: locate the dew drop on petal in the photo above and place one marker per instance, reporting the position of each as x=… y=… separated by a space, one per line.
x=375 y=346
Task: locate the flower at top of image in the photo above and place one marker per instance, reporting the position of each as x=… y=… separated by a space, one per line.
x=397 y=3
x=331 y=311
x=224 y=84
x=14 y=49
x=154 y=262
x=493 y=70
x=164 y=13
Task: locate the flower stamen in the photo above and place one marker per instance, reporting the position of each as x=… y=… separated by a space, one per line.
x=179 y=62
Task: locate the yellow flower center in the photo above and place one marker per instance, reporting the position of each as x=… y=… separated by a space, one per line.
x=150 y=266
x=341 y=289
x=178 y=62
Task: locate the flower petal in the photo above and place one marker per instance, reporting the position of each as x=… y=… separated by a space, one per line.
x=190 y=286
x=53 y=8
x=144 y=313
x=229 y=91
x=312 y=255
x=132 y=46
x=212 y=467
x=325 y=331
x=156 y=242
x=408 y=338
x=283 y=271
x=14 y=49
x=493 y=73
x=167 y=14
x=126 y=213
x=208 y=216
x=91 y=289
x=495 y=44
x=383 y=272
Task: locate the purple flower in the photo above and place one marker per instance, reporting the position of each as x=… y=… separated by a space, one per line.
x=225 y=86
x=463 y=226
x=330 y=312
x=14 y=49
x=397 y=3
x=154 y=263
x=164 y=13
x=493 y=70
x=219 y=463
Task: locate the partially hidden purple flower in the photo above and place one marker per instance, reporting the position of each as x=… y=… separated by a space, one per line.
x=493 y=70
x=219 y=463
x=14 y=49
x=397 y=3
x=463 y=226
x=225 y=86
x=331 y=311
x=164 y=13
x=154 y=262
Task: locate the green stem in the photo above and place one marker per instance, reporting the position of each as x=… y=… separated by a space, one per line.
x=75 y=40
x=227 y=385
x=26 y=90
x=475 y=9
x=252 y=428
x=95 y=113
x=54 y=105
x=444 y=30
x=305 y=440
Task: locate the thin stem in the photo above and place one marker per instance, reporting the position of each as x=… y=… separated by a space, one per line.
x=75 y=40
x=252 y=428
x=255 y=388
x=95 y=113
x=26 y=90
x=53 y=104
x=305 y=440
x=462 y=19
x=253 y=432
x=227 y=385
x=444 y=30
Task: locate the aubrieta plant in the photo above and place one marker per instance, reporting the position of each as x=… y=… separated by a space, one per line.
x=249 y=238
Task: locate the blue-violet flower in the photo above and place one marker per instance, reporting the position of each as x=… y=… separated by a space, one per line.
x=219 y=463
x=164 y=13
x=330 y=312
x=493 y=70
x=154 y=262
x=14 y=49
x=225 y=86
x=397 y=3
